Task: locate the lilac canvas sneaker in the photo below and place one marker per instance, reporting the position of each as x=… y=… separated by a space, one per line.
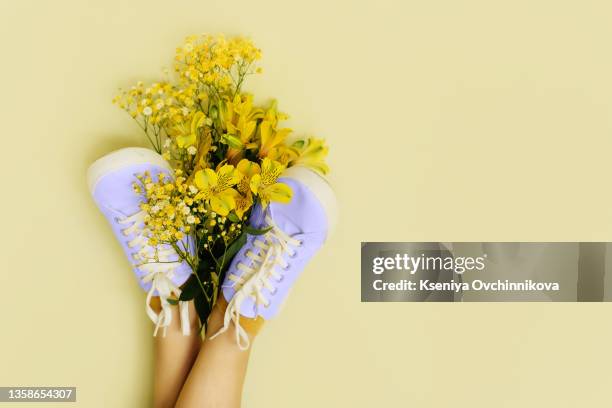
x=266 y=267
x=158 y=269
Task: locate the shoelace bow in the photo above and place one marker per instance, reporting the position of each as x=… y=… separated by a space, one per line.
x=261 y=274
x=159 y=270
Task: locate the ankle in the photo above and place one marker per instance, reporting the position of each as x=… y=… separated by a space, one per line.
x=252 y=326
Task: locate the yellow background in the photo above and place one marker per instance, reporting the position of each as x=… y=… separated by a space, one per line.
x=448 y=121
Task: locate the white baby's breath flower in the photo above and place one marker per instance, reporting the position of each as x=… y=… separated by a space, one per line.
x=186 y=210
x=192 y=150
x=167 y=143
x=193 y=189
x=160 y=105
x=188 y=47
x=185 y=111
x=191 y=219
x=147 y=111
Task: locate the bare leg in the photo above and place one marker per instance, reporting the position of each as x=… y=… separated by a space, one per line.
x=174 y=356
x=217 y=376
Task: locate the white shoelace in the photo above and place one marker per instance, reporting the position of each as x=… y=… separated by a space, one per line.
x=261 y=274
x=159 y=270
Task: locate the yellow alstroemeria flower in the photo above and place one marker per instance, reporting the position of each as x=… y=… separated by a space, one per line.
x=244 y=200
x=187 y=136
x=273 y=116
x=239 y=119
x=270 y=137
x=264 y=184
x=311 y=153
x=247 y=170
x=243 y=203
x=247 y=117
x=216 y=188
x=283 y=154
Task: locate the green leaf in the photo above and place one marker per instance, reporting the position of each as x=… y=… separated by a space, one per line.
x=173 y=301
x=220 y=152
x=191 y=289
x=203 y=309
x=233 y=217
x=232 y=249
x=255 y=231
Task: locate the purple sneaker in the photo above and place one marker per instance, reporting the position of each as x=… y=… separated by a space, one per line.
x=266 y=267
x=111 y=181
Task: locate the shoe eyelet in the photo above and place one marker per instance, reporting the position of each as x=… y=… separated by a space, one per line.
x=293 y=255
x=273 y=292
x=280 y=278
x=267 y=305
x=300 y=243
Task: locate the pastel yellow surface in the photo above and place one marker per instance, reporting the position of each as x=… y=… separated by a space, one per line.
x=447 y=120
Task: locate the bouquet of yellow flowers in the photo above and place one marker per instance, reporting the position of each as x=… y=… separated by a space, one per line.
x=226 y=151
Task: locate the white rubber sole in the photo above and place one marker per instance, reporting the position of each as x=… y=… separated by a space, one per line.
x=321 y=188
x=122 y=158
